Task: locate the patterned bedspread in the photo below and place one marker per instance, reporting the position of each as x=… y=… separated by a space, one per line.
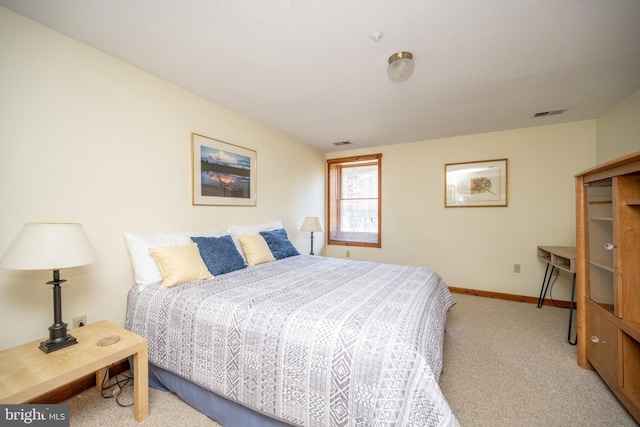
x=309 y=340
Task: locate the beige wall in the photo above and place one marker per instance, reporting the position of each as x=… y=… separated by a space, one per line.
x=618 y=130
x=476 y=247
x=87 y=138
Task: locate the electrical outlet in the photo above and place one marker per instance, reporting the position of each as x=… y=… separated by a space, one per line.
x=79 y=321
x=516 y=268
x=348 y=254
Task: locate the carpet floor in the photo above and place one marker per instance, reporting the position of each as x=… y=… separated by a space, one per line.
x=505 y=364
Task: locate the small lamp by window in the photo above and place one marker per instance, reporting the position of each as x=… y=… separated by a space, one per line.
x=51 y=246
x=312 y=224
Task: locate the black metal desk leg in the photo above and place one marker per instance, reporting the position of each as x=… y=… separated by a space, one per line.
x=573 y=292
x=545 y=288
x=544 y=279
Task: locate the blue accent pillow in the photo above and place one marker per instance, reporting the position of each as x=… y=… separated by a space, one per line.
x=279 y=243
x=219 y=254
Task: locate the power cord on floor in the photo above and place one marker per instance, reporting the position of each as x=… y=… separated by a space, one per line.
x=111 y=388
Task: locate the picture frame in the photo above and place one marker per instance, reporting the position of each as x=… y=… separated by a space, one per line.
x=476 y=184
x=222 y=173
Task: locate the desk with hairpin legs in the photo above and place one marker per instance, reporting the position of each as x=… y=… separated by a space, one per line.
x=563 y=258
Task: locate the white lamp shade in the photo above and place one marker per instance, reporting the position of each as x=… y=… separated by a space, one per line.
x=400 y=67
x=49 y=246
x=311 y=223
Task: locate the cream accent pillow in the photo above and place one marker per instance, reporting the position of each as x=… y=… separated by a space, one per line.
x=180 y=264
x=249 y=230
x=255 y=249
x=144 y=266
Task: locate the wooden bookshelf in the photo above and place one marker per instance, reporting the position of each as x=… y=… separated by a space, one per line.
x=608 y=275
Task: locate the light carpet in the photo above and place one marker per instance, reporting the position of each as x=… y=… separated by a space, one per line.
x=505 y=364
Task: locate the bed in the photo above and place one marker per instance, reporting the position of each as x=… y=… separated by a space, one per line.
x=302 y=340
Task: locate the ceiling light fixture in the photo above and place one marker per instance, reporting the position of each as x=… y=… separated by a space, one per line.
x=400 y=66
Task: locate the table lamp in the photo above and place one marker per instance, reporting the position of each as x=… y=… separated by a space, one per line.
x=311 y=223
x=51 y=246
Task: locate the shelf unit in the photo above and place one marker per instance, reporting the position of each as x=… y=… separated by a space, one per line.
x=608 y=275
x=562 y=257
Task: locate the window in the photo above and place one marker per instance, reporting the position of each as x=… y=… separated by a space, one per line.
x=354 y=201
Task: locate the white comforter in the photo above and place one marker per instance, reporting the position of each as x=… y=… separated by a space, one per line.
x=309 y=340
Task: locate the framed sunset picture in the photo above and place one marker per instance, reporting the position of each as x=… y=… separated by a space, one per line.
x=222 y=173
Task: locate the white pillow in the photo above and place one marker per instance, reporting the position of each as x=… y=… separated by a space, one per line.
x=250 y=230
x=208 y=233
x=144 y=266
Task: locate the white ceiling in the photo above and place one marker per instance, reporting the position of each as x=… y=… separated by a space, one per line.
x=310 y=69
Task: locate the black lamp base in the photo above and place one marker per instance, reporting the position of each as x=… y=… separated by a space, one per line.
x=58 y=336
x=49 y=346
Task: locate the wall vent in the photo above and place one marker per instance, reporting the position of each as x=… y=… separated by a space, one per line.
x=342 y=143
x=549 y=113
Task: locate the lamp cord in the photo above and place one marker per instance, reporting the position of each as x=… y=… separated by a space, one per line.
x=119 y=380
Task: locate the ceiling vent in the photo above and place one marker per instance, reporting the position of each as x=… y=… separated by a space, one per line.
x=342 y=143
x=549 y=113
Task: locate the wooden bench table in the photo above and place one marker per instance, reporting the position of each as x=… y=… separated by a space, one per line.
x=26 y=372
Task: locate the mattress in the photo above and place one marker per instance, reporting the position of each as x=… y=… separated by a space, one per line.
x=308 y=340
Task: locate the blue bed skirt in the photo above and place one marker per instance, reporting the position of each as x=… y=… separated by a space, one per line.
x=219 y=409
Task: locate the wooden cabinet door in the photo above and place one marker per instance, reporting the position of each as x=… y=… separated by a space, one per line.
x=602 y=344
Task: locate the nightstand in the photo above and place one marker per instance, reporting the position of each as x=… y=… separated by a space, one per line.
x=26 y=372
